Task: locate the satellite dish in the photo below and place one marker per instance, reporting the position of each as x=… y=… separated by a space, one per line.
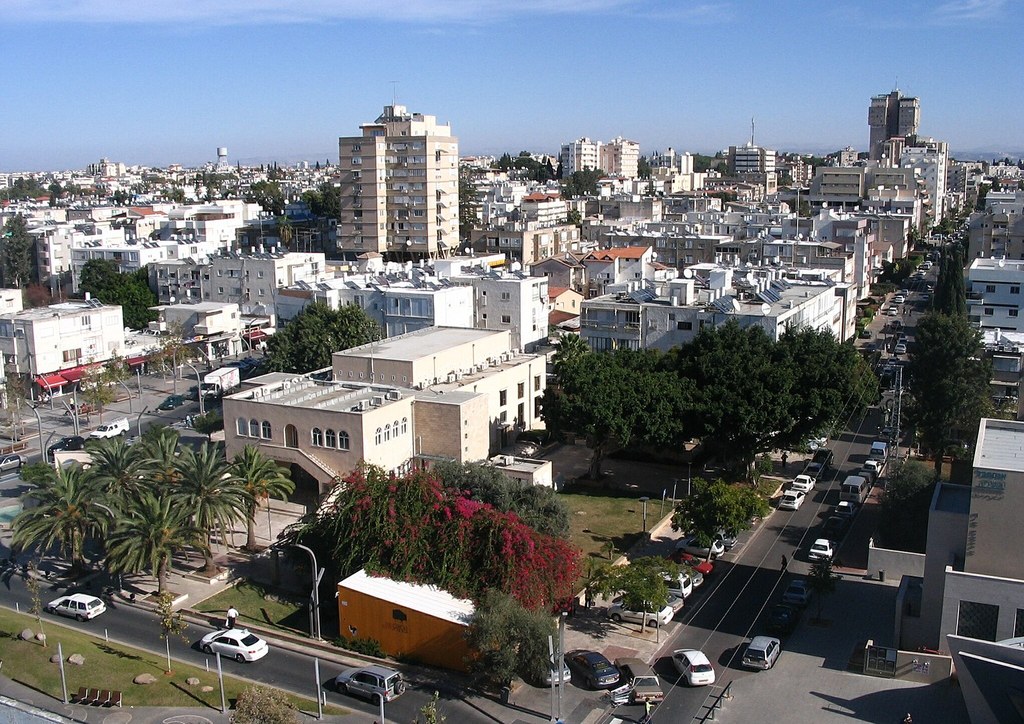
x=766 y=309
x=1001 y=262
x=688 y=273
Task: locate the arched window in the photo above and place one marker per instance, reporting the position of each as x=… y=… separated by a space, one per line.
x=266 y=432
x=379 y=436
x=241 y=426
x=329 y=440
x=254 y=428
x=405 y=425
x=343 y=443
x=387 y=431
x=395 y=426
x=318 y=438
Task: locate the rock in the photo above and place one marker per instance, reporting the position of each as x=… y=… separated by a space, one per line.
x=27 y=635
x=192 y=681
x=55 y=659
x=41 y=638
x=144 y=679
x=206 y=689
x=76 y=659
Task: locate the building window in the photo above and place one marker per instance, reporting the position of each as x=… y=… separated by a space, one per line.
x=1015 y=290
x=536 y=382
x=977 y=620
x=379 y=437
x=343 y=441
x=329 y=438
x=387 y=431
x=505 y=296
x=1018 y=624
x=990 y=288
x=241 y=426
x=318 y=438
x=1014 y=312
x=405 y=425
x=522 y=390
x=506 y=319
x=989 y=311
x=254 y=428
x=684 y=325
x=265 y=433
x=503 y=398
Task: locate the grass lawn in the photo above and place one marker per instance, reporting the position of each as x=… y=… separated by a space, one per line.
x=259 y=605
x=112 y=666
x=597 y=517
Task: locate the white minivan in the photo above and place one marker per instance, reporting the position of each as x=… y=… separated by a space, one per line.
x=111 y=429
x=855 y=489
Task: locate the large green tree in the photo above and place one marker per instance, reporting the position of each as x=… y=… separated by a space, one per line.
x=950 y=295
x=582 y=183
x=905 y=506
x=469 y=205
x=718 y=505
x=641 y=583
x=307 y=342
x=262 y=479
x=949 y=383
x=269 y=195
x=16 y=257
x=118 y=470
x=324 y=201
x=103 y=279
x=509 y=639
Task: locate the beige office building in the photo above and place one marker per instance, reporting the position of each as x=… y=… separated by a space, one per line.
x=399 y=188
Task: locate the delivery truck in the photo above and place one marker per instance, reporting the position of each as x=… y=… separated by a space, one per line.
x=220 y=381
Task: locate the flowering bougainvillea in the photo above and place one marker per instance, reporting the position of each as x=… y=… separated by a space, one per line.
x=412 y=528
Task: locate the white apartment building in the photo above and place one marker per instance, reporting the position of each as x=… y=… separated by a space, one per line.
x=929 y=159
x=994 y=297
x=216 y=223
x=399 y=187
x=620 y=265
x=52 y=346
x=509 y=301
x=579 y=155
x=214 y=329
x=619 y=157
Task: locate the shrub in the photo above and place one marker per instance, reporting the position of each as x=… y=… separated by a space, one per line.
x=263 y=705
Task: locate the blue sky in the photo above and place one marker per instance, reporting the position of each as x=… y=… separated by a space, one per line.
x=158 y=81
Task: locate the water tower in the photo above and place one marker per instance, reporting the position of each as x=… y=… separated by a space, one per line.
x=222 y=156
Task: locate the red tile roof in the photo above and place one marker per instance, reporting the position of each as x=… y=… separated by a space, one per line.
x=626 y=252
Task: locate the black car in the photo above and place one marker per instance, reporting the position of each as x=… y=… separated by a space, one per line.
x=171 y=402
x=73 y=442
x=593 y=668
x=782 y=618
x=835 y=527
x=821 y=461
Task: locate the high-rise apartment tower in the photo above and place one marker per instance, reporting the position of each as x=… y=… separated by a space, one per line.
x=890 y=116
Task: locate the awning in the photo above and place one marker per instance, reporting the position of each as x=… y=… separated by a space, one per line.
x=255 y=335
x=136 y=361
x=50 y=381
x=74 y=374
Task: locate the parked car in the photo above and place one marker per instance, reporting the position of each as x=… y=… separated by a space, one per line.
x=836 y=526
x=72 y=442
x=593 y=669
x=12 y=461
x=727 y=539
x=899 y=299
x=846 y=509
x=618 y=612
x=691 y=561
x=679 y=587
x=371 y=682
x=821 y=550
x=644 y=683
x=694 y=666
x=552 y=675
x=864 y=334
x=762 y=652
x=692 y=546
x=782 y=618
x=900 y=349
x=696 y=577
x=803 y=483
x=111 y=429
x=236 y=643
x=791 y=500
x=820 y=462
x=77 y=605
x=171 y=402
x=797 y=593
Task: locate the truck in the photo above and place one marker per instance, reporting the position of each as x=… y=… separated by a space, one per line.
x=111 y=429
x=220 y=381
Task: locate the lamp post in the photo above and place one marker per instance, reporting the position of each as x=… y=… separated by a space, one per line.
x=131 y=410
x=314 y=614
x=199 y=386
x=39 y=423
x=644 y=500
x=138 y=421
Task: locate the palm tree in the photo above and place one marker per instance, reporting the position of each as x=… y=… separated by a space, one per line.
x=148 y=539
x=118 y=469
x=66 y=513
x=210 y=493
x=262 y=478
x=160 y=448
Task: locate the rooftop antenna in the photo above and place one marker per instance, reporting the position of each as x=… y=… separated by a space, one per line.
x=394 y=92
x=751 y=130
x=897 y=86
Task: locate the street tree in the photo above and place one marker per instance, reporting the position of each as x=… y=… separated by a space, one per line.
x=97 y=390
x=950 y=295
x=262 y=479
x=171 y=623
x=118 y=470
x=509 y=639
x=103 y=279
x=641 y=583
x=159 y=449
x=714 y=506
x=61 y=511
x=35 y=607
x=263 y=705
x=16 y=255
x=905 y=505
x=307 y=342
x=267 y=194
x=822 y=581
x=469 y=204
x=146 y=540
x=211 y=494
x=949 y=383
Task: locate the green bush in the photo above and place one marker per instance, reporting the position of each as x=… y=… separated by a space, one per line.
x=367 y=647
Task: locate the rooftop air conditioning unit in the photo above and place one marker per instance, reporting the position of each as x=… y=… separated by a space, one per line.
x=376 y=400
x=394 y=395
x=364 y=404
x=508 y=460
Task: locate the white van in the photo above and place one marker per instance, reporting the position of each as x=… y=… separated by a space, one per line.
x=855 y=489
x=111 y=429
x=879 y=451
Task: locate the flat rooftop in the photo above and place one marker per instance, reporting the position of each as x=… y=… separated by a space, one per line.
x=430 y=600
x=419 y=344
x=1000 y=445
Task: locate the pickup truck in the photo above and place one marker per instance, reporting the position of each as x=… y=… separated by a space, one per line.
x=111 y=429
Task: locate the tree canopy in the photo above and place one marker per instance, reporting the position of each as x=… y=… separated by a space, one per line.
x=950 y=295
x=509 y=640
x=905 y=506
x=103 y=279
x=532 y=169
x=324 y=201
x=582 y=183
x=717 y=505
x=269 y=195
x=17 y=260
x=307 y=342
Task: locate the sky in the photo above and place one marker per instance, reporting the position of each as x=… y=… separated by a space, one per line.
x=156 y=82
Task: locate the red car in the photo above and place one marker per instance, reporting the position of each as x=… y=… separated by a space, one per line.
x=698 y=564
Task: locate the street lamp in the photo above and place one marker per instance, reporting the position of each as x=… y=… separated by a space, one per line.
x=644 y=500
x=138 y=421
x=314 y=614
x=199 y=387
x=39 y=423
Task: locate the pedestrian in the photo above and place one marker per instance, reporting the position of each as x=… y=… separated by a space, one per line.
x=785 y=460
x=648 y=710
x=785 y=564
x=908 y=719
x=232 y=617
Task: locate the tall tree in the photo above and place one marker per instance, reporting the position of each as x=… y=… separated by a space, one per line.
x=949 y=382
x=307 y=342
x=159 y=450
x=469 y=205
x=267 y=194
x=950 y=295
x=103 y=279
x=822 y=581
x=16 y=257
x=262 y=479
x=509 y=639
x=118 y=470
x=62 y=510
x=713 y=506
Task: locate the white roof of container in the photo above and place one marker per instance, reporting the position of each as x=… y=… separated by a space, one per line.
x=430 y=600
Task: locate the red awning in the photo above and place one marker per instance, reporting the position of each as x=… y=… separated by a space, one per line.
x=50 y=381
x=74 y=374
x=255 y=335
x=136 y=361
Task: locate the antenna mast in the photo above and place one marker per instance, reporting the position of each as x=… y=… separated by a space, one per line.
x=751 y=130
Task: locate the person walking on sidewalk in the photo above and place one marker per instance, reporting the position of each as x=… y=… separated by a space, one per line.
x=785 y=460
x=232 y=617
x=785 y=563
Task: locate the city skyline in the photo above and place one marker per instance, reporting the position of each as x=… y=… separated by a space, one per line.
x=151 y=83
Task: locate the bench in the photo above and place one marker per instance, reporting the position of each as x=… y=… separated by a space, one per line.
x=96 y=697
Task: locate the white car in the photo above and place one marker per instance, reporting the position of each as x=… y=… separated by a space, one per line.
x=694 y=666
x=893 y=311
x=237 y=643
x=899 y=299
x=680 y=586
x=694 y=548
x=77 y=605
x=900 y=348
x=618 y=613
x=802 y=483
x=792 y=500
x=821 y=550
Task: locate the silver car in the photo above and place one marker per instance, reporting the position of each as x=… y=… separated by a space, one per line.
x=11 y=462
x=371 y=682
